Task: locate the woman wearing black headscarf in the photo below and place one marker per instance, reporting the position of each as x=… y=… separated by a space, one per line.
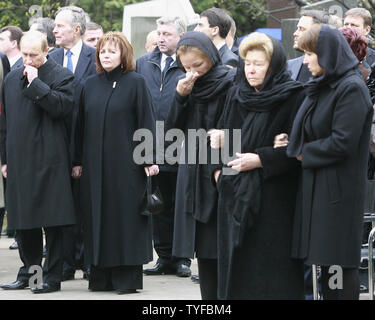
x=256 y=205
x=198 y=105
x=330 y=137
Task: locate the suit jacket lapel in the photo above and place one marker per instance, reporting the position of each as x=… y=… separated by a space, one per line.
x=83 y=62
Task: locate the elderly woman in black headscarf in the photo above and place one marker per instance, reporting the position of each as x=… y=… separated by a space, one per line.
x=256 y=205
x=330 y=137
x=198 y=105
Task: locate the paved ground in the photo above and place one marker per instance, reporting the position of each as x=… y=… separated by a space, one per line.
x=167 y=287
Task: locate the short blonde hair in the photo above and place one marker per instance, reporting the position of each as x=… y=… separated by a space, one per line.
x=256 y=41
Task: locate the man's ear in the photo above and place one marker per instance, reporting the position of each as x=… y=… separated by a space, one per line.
x=367 y=30
x=215 y=31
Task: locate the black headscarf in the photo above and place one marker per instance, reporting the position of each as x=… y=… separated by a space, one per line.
x=207 y=102
x=276 y=87
x=249 y=111
x=337 y=59
x=218 y=78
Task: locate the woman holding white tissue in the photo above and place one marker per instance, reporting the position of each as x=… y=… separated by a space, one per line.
x=198 y=104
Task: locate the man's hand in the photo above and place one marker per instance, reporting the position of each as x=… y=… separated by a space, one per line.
x=77 y=172
x=245 y=162
x=4 y=170
x=185 y=86
x=31 y=73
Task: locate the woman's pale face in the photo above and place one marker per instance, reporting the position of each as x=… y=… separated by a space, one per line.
x=195 y=63
x=256 y=67
x=110 y=56
x=311 y=61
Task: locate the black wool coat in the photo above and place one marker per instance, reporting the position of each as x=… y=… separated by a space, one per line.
x=195 y=191
x=113 y=106
x=262 y=267
x=35 y=147
x=330 y=211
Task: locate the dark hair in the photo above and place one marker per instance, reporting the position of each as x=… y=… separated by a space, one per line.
x=218 y=18
x=15 y=33
x=318 y=16
x=358 y=42
x=126 y=49
x=46 y=25
x=309 y=39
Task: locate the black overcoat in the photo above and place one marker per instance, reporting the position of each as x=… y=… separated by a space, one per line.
x=334 y=161
x=113 y=106
x=195 y=228
x=262 y=267
x=332 y=131
x=35 y=147
x=195 y=190
x=256 y=207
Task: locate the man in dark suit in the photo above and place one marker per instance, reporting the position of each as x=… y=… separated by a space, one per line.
x=35 y=103
x=232 y=41
x=4 y=70
x=70 y=26
x=10 y=37
x=216 y=23
x=361 y=19
x=308 y=18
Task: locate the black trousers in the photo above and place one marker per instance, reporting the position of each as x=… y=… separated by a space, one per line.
x=73 y=238
x=163 y=223
x=30 y=248
x=350 y=285
x=207 y=269
x=2 y=213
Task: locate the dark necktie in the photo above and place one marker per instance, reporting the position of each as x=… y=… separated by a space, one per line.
x=70 y=62
x=168 y=62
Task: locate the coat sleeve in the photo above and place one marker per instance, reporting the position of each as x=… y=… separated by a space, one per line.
x=274 y=160
x=352 y=108
x=177 y=115
x=3 y=128
x=56 y=101
x=79 y=131
x=145 y=113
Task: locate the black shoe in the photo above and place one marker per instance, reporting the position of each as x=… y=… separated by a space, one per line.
x=159 y=269
x=14 y=246
x=195 y=278
x=183 y=271
x=86 y=275
x=16 y=285
x=67 y=276
x=126 y=291
x=47 y=288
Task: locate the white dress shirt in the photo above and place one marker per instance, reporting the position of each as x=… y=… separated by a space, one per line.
x=76 y=51
x=164 y=57
x=14 y=59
